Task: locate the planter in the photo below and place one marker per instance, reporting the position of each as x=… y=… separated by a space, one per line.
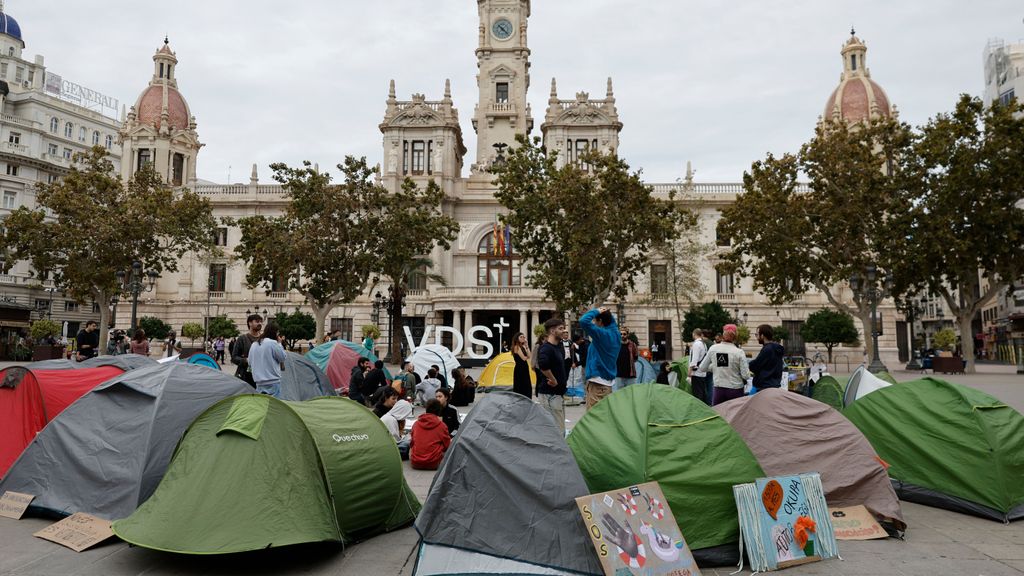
x=47 y=352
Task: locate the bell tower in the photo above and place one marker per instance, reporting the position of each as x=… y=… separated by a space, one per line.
x=503 y=63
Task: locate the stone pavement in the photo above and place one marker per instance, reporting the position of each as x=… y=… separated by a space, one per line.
x=938 y=542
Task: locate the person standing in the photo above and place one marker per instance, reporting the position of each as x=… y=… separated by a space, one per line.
x=768 y=366
x=409 y=380
x=88 y=340
x=218 y=348
x=374 y=379
x=521 y=383
x=551 y=361
x=602 y=354
x=240 y=351
x=625 y=363
x=266 y=360
x=140 y=344
x=728 y=363
x=698 y=378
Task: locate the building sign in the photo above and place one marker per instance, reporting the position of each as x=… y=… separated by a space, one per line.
x=70 y=92
x=457 y=339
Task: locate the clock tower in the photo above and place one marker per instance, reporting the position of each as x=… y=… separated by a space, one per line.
x=503 y=77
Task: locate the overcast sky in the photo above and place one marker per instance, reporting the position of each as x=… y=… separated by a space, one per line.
x=714 y=82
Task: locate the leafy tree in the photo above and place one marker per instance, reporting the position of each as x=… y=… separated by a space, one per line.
x=829 y=327
x=791 y=240
x=586 y=235
x=371 y=331
x=155 y=328
x=944 y=339
x=295 y=326
x=710 y=317
x=44 y=328
x=683 y=286
x=98 y=225
x=221 y=326
x=966 y=224
x=193 y=330
x=742 y=334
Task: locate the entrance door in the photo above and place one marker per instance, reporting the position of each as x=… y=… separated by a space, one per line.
x=660 y=333
x=902 y=341
x=794 y=341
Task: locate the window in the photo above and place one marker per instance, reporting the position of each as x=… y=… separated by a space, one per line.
x=720 y=238
x=54 y=125
x=724 y=281
x=14 y=138
x=42 y=304
x=853 y=62
x=279 y=283
x=10 y=200
x=659 y=279
x=161 y=69
x=1006 y=97
x=95 y=308
x=418 y=279
x=71 y=306
x=82 y=132
x=501 y=92
x=69 y=130
x=10 y=50
x=218 y=277
x=430 y=156
x=568 y=151
x=144 y=158
x=67 y=153
x=497 y=265
x=19 y=74
x=418 y=149
x=110 y=142
x=52 y=149
x=95 y=138
x=51 y=178
x=3 y=68
x=177 y=169
x=12 y=169
x=343 y=325
x=220 y=237
x=405 y=156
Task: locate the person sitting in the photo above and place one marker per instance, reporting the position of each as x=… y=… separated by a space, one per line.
x=439 y=374
x=449 y=415
x=384 y=400
x=394 y=421
x=426 y=390
x=373 y=380
x=464 y=390
x=663 y=374
x=429 y=438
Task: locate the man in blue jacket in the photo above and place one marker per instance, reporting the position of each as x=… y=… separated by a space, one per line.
x=600 y=369
x=768 y=366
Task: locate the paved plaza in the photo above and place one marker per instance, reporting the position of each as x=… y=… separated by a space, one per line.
x=938 y=542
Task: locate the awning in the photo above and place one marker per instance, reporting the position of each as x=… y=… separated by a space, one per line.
x=13 y=324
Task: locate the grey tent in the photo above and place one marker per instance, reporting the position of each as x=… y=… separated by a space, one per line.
x=302 y=379
x=106 y=453
x=504 y=499
x=125 y=362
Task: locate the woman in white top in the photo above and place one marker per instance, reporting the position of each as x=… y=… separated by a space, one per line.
x=266 y=360
x=394 y=420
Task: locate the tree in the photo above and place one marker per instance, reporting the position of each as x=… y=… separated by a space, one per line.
x=586 y=230
x=221 y=326
x=295 y=326
x=966 y=224
x=710 y=317
x=791 y=240
x=944 y=339
x=193 y=330
x=43 y=328
x=155 y=328
x=829 y=327
x=681 y=258
x=89 y=225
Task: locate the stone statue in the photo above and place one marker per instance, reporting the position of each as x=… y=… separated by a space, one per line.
x=393 y=160
x=438 y=162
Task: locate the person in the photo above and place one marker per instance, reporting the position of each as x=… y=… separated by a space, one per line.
x=266 y=360
x=373 y=380
x=231 y=345
x=140 y=344
x=335 y=335
x=355 y=381
x=521 y=381
x=394 y=421
x=218 y=348
x=367 y=342
x=577 y=355
x=240 y=351
x=464 y=391
x=440 y=375
x=449 y=415
x=429 y=438
x=384 y=400
x=88 y=340
x=409 y=380
x=115 y=343
x=602 y=354
x=428 y=388
x=698 y=377
x=625 y=362
x=768 y=366
x=655 y=352
x=728 y=363
x=662 y=374
x=551 y=360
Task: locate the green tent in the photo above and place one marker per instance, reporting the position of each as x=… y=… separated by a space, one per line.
x=828 y=390
x=681 y=369
x=947 y=445
x=648 y=432
x=887 y=377
x=254 y=472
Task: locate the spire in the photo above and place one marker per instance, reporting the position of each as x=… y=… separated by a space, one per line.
x=610 y=94
x=391 y=90
x=254 y=177
x=447 y=89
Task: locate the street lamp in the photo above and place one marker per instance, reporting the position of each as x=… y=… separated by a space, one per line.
x=914 y=309
x=868 y=287
x=744 y=318
x=380 y=302
x=736 y=314
x=134 y=284
x=49 y=301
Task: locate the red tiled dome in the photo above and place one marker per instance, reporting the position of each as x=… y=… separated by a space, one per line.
x=151 y=105
x=854 y=96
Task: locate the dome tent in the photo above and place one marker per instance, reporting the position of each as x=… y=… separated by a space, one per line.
x=503 y=501
x=650 y=432
x=861 y=384
x=423 y=357
x=302 y=379
x=254 y=472
x=106 y=453
x=791 y=434
x=645 y=370
x=498 y=374
x=948 y=446
x=828 y=390
x=337 y=359
x=125 y=362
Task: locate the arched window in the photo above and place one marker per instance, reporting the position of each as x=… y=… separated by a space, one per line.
x=95 y=138
x=81 y=134
x=54 y=125
x=497 y=264
x=69 y=130
x=109 y=142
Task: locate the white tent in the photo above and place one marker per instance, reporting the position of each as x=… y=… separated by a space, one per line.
x=861 y=384
x=433 y=354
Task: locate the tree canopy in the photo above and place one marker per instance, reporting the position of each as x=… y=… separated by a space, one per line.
x=710 y=317
x=155 y=328
x=830 y=328
x=295 y=326
x=221 y=326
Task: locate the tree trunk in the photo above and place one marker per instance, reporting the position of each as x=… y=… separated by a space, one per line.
x=966 y=342
x=320 y=312
x=829 y=348
x=864 y=314
x=397 y=323
x=104 y=321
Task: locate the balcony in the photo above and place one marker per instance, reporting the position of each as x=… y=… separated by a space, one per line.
x=725 y=297
x=277 y=295
x=55 y=159
x=8 y=279
x=19 y=121
x=18 y=149
x=216 y=295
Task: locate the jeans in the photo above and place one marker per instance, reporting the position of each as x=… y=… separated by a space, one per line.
x=555 y=405
x=620 y=382
x=269 y=388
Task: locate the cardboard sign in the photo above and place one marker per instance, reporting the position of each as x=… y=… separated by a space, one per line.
x=78 y=531
x=855 y=523
x=14 y=504
x=634 y=532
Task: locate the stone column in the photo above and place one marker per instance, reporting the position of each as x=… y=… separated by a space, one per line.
x=466 y=326
x=457 y=326
x=522 y=322
x=535 y=320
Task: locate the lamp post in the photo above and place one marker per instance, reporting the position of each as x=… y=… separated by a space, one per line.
x=913 y=310
x=49 y=301
x=385 y=303
x=736 y=315
x=134 y=284
x=744 y=318
x=867 y=285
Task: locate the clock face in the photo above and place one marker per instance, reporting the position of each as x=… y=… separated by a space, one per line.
x=502 y=28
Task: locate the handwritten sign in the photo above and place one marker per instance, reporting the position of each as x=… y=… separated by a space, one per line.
x=855 y=523
x=14 y=504
x=633 y=531
x=78 y=531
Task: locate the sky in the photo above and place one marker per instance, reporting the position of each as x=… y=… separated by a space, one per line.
x=716 y=83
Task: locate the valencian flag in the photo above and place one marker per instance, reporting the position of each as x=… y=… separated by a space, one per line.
x=501 y=239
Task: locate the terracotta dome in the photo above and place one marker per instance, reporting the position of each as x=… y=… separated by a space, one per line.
x=858 y=97
x=150 y=105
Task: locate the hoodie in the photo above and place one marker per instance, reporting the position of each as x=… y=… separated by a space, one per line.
x=428 y=441
x=604 y=349
x=768 y=366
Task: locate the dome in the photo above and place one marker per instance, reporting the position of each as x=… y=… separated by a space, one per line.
x=9 y=26
x=150 y=106
x=858 y=98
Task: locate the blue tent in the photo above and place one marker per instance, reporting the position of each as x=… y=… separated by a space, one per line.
x=645 y=371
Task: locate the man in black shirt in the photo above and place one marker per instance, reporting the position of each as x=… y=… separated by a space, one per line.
x=88 y=340
x=373 y=380
x=240 y=351
x=553 y=379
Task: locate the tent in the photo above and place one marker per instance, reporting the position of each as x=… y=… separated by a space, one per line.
x=254 y=472
x=650 y=432
x=887 y=377
x=948 y=446
x=497 y=375
x=106 y=453
x=828 y=390
x=679 y=374
x=861 y=384
x=503 y=501
x=423 y=357
x=123 y=361
x=302 y=379
x=645 y=371
x=792 y=434
x=31 y=397
x=201 y=359
x=337 y=359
